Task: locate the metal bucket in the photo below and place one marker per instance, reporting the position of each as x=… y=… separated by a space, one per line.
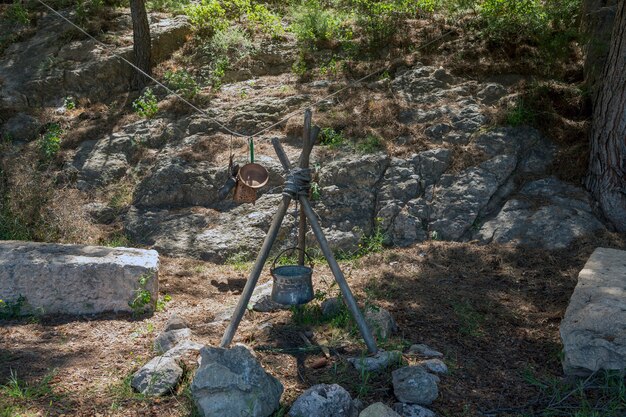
x=292 y=283
x=253 y=175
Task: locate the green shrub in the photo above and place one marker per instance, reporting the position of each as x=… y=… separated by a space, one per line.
x=330 y=137
x=315 y=25
x=50 y=142
x=230 y=45
x=370 y=144
x=171 y=6
x=267 y=21
x=182 y=82
x=512 y=18
x=146 y=105
x=208 y=17
x=17 y=13
x=520 y=114
x=11 y=309
x=87 y=8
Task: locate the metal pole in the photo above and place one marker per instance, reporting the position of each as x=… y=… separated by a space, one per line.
x=244 y=299
x=341 y=280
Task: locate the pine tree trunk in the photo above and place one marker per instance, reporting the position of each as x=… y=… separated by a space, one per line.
x=607 y=163
x=597 y=24
x=141 y=42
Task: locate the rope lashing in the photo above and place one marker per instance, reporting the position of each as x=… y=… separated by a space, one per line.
x=298 y=182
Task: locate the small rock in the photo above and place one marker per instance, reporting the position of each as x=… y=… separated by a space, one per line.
x=412 y=384
x=412 y=410
x=175 y=323
x=231 y=382
x=379 y=361
x=167 y=340
x=378 y=410
x=435 y=366
x=21 y=127
x=157 y=377
x=425 y=350
x=381 y=322
x=183 y=348
x=323 y=401
x=331 y=307
x=265 y=304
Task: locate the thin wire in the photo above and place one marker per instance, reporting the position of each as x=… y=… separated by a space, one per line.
x=199 y=110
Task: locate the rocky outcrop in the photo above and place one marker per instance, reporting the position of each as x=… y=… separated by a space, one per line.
x=323 y=400
x=76 y=279
x=43 y=71
x=594 y=327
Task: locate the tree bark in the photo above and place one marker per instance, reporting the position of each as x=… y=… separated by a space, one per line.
x=597 y=24
x=606 y=178
x=142 y=47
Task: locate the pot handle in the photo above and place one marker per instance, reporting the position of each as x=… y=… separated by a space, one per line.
x=292 y=248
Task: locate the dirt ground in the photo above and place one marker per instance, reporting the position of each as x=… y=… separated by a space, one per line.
x=494 y=312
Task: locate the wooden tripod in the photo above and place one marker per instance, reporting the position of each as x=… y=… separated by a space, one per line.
x=306 y=212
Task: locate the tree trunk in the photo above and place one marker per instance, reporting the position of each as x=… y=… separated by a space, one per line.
x=607 y=163
x=141 y=42
x=597 y=24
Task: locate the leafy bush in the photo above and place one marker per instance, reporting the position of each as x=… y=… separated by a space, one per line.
x=230 y=45
x=146 y=105
x=17 y=13
x=331 y=137
x=50 y=142
x=315 y=25
x=208 y=17
x=171 y=6
x=182 y=82
x=506 y=18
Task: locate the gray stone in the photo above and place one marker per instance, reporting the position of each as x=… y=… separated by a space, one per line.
x=261 y=299
x=101 y=213
x=593 y=330
x=231 y=382
x=183 y=348
x=412 y=384
x=323 y=401
x=158 y=377
x=331 y=307
x=382 y=359
x=412 y=410
x=168 y=339
x=380 y=322
x=21 y=127
x=491 y=93
x=436 y=366
x=175 y=323
x=77 y=279
x=378 y=410
x=425 y=350
x=546 y=213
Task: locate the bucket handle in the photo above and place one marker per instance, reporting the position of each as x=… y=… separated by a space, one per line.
x=288 y=249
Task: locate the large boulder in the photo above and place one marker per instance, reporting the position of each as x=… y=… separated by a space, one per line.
x=231 y=382
x=77 y=279
x=593 y=330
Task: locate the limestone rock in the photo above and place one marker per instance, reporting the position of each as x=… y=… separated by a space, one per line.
x=175 y=323
x=168 y=339
x=425 y=350
x=21 y=127
x=491 y=93
x=77 y=279
x=231 y=382
x=544 y=205
x=378 y=410
x=594 y=327
x=382 y=359
x=158 y=377
x=323 y=401
x=331 y=307
x=412 y=384
x=436 y=366
x=381 y=322
x=412 y=410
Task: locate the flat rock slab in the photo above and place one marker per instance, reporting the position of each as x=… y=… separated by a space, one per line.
x=594 y=328
x=77 y=279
